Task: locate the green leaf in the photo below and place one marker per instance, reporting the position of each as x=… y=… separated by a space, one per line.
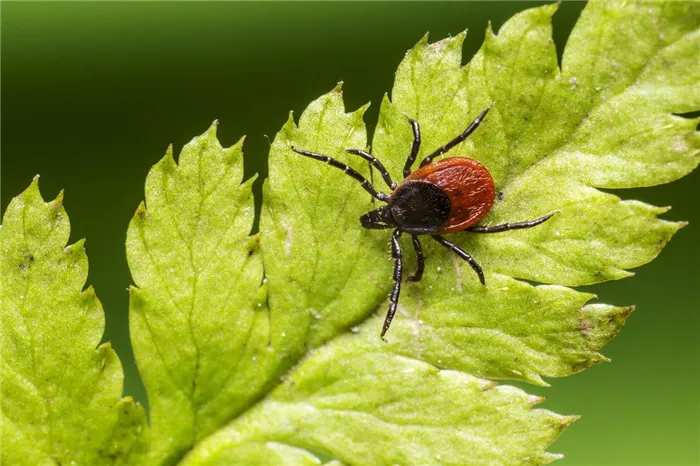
x=324 y=273
x=289 y=368
x=199 y=330
x=510 y=329
x=59 y=390
x=363 y=405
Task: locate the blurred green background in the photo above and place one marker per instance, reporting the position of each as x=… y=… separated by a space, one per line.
x=92 y=94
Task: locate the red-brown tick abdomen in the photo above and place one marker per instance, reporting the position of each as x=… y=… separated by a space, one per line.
x=467 y=183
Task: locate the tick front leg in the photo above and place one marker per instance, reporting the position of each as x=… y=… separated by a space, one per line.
x=415 y=147
x=421 y=260
x=374 y=162
x=510 y=226
x=463 y=254
x=348 y=171
x=470 y=129
x=398 y=273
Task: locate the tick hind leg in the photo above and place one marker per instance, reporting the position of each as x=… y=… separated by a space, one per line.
x=420 y=260
x=470 y=129
x=398 y=273
x=510 y=226
x=463 y=254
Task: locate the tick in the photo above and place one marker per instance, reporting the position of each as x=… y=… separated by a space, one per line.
x=447 y=196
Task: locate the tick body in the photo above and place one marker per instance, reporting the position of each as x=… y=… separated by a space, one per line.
x=441 y=197
x=455 y=192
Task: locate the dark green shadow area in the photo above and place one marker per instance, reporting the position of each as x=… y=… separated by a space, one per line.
x=92 y=94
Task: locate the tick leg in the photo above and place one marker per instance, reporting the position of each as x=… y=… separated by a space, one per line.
x=371 y=180
x=398 y=273
x=347 y=169
x=414 y=148
x=421 y=260
x=377 y=226
x=470 y=129
x=463 y=254
x=510 y=226
x=374 y=162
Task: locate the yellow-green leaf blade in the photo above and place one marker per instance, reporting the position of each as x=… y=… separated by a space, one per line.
x=321 y=269
x=194 y=315
x=377 y=408
x=59 y=390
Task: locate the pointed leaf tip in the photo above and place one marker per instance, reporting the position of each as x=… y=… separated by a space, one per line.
x=33 y=189
x=89 y=293
x=57 y=203
x=211 y=131
x=105 y=347
x=568 y=420
x=141 y=211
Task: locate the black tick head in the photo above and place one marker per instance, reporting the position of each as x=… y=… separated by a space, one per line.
x=378 y=219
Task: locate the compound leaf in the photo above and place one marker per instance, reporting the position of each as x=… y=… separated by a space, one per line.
x=59 y=390
x=289 y=369
x=594 y=236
